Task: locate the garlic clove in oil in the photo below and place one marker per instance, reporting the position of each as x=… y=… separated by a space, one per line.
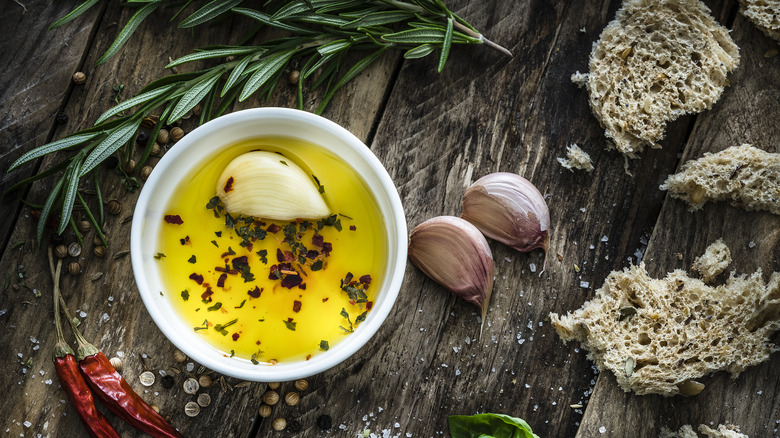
x=456 y=255
x=267 y=185
x=508 y=208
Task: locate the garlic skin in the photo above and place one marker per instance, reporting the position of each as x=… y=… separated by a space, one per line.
x=456 y=255
x=506 y=207
x=267 y=185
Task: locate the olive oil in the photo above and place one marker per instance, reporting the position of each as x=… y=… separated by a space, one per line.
x=241 y=293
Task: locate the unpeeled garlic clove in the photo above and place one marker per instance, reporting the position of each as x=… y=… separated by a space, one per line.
x=506 y=207
x=456 y=255
x=267 y=185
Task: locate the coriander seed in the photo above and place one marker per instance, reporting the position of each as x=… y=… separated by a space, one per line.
x=204 y=399
x=96 y=240
x=163 y=136
x=191 y=409
x=145 y=172
x=301 y=385
x=74 y=249
x=84 y=226
x=279 y=424
x=176 y=134
x=292 y=398
x=114 y=207
x=191 y=386
x=100 y=251
x=146 y=378
x=271 y=398
x=79 y=78
x=74 y=268
x=116 y=363
x=294 y=76
x=156 y=150
x=264 y=411
x=61 y=251
x=129 y=166
x=179 y=356
x=273 y=385
x=204 y=381
x=197 y=110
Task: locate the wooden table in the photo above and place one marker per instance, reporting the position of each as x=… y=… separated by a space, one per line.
x=435 y=133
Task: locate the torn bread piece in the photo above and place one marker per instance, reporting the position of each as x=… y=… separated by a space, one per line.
x=723 y=431
x=576 y=158
x=657 y=336
x=744 y=176
x=765 y=14
x=715 y=260
x=658 y=60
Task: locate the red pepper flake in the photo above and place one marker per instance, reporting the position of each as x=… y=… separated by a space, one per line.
x=185 y=241
x=308 y=356
x=288 y=256
x=235 y=336
x=290 y=281
x=273 y=228
x=296 y=306
x=229 y=185
x=327 y=247
x=302 y=286
x=255 y=293
x=352 y=228
x=312 y=254
x=347 y=278
x=206 y=296
x=317 y=240
x=197 y=278
x=221 y=280
x=240 y=261
x=174 y=219
x=369 y=305
x=289 y=320
x=279 y=255
x=366 y=280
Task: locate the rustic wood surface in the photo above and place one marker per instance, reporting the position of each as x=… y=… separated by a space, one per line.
x=435 y=133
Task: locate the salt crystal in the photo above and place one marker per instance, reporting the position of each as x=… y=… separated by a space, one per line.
x=468 y=342
x=527 y=386
x=33 y=340
x=605 y=239
x=456 y=349
x=3 y=311
x=343 y=426
x=584 y=284
x=82 y=314
x=602 y=429
x=592 y=247
x=120 y=354
x=444 y=365
x=105 y=317
x=47 y=381
x=190 y=367
x=397 y=425
x=110 y=298
x=457 y=372
x=41 y=372
x=27 y=424
x=752 y=245
x=36 y=347
x=507 y=259
x=532 y=267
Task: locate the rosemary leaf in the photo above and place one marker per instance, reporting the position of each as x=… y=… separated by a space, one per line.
x=128 y=30
x=271 y=65
x=46 y=210
x=445 y=47
x=137 y=100
x=72 y=15
x=55 y=146
x=114 y=141
x=209 y=12
x=194 y=96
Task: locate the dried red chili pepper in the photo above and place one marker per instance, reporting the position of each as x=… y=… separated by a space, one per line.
x=113 y=390
x=69 y=376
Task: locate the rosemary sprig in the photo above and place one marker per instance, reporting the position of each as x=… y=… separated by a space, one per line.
x=322 y=32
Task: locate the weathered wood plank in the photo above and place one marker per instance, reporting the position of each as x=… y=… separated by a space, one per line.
x=114 y=317
x=746 y=114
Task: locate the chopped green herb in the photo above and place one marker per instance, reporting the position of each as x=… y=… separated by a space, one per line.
x=284 y=162
x=241 y=305
x=213 y=202
x=221 y=327
x=320 y=187
x=337 y=225
x=185 y=295
x=316 y=266
x=361 y=317
x=18 y=244
x=263 y=254
x=254 y=359
x=290 y=324
x=232 y=353
x=159 y=255
x=324 y=345
x=215 y=243
x=230 y=251
x=192 y=259
x=229 y=221
x=216 y=306
x=161 y=294
x=218 y=233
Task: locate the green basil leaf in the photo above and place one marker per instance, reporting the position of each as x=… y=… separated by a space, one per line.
x=489 y=425
x=128 y=30
x=64 y=143
x=209 y=12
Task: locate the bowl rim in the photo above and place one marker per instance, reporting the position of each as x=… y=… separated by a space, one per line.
x=397 y=248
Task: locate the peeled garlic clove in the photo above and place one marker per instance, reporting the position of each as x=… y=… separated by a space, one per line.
x=506 y=207
x=267 y=185
x=456 y=255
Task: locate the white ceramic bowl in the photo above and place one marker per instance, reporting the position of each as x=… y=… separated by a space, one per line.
x=204 y=143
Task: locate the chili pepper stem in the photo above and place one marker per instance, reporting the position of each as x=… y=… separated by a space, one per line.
x=61 y=348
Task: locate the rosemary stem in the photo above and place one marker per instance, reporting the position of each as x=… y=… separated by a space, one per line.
x=55 y=277
x=482 y=38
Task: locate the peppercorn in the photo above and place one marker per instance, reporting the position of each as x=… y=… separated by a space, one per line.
x=74 y=268
x=84 y=226
x=100 y=251
x=176 y=134
x=111 y=162
x=168 y=381
x=163 y=136
x=271 y=398
x=294 y=76
x=324 y=422
x=264 y=411
x=79 y=78
x=204 y=381
x=56 y=239
x=61 y=118
x=292 y=398
x=114 y=207
x=179 y=356
x=301 y=385
x=279 y=423
x=116 y=363
x=129 y=166
x=141 y=137
x=61 y=251
x=145 y=172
